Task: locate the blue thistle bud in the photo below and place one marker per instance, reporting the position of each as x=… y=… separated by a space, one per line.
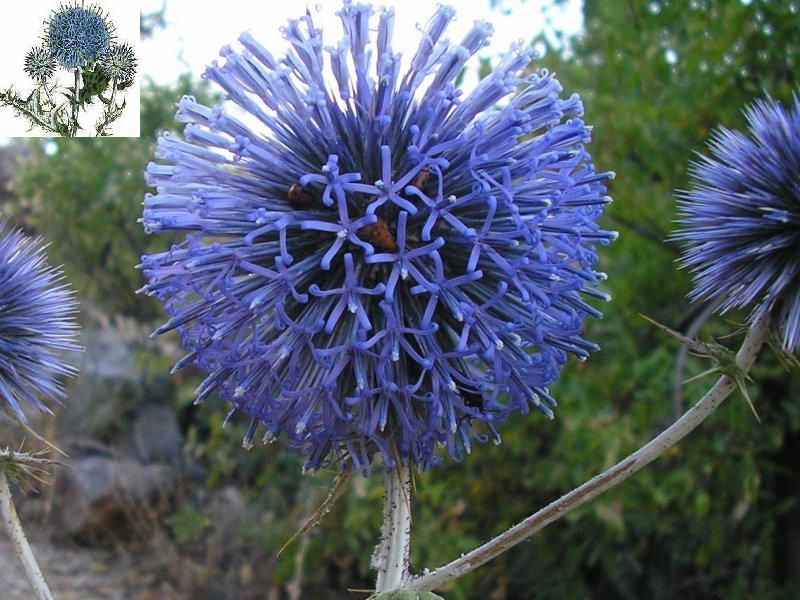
x=119 y=63
x=374 y=262
x=740 y=221
x=39 y=64
x=37 y=323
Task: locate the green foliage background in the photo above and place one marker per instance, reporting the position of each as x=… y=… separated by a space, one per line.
x=717 y=517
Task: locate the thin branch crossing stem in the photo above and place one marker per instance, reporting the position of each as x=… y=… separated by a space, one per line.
x=725 y=385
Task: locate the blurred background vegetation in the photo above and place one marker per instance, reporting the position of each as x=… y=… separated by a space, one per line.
x=717 y=517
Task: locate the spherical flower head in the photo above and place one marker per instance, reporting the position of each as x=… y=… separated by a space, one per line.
x=376 y=263
x=39 y=64
x=740 y=221
x=77 y=35
x=37 y=324
x=119 y=63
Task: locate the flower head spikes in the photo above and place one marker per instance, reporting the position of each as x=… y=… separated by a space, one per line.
x=374 y=262
x=37 y=323
x=77 y=36
x=740 y=221
x=39 y=64
x=119 y=63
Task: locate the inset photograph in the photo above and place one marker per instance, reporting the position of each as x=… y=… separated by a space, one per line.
x=70 y=69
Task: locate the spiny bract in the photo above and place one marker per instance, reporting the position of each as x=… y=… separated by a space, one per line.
x=37 y=323
x=740 y=221
x=77 y=35
x=376 y=263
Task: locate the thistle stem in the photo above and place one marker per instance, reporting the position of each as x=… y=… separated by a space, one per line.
x=723 y=388
x=392 y=554
x=110 y=112
x=73 y=126
x=20 y=542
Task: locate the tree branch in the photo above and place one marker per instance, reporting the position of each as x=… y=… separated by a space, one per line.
x=726 y=384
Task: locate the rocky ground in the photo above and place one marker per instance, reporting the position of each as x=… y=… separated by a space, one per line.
x=78 y=572
x=73 y=572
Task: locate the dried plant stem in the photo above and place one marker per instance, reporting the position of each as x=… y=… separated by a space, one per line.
x=391 y=557
x=20 y=542
x=756 y=337
x=339 y=487
x=294 y=589
x=683 y=354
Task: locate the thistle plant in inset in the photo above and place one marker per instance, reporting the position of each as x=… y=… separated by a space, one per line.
x=119 y=64
x=37 y=324
x=740 y=221
x=392 y=271
x=78 y=36
x=80 y=39
x=40 y=64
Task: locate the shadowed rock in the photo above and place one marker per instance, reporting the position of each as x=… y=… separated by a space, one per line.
x=104 y=499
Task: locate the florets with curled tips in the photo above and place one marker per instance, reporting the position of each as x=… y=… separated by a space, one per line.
x=37 y=323
x=381 y=268
x=77 y=35
x=119 y=63
x=740 y=221
x=39 y=64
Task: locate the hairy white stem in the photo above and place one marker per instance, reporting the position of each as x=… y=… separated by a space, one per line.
x=607 y=479
x=391 y=556
x=20 y=542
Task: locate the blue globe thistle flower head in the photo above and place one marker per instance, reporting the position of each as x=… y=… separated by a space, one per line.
x=37 y=324
x=39 y=64
x=375 y=263
x=119 y=63
x=740 y=221
x=78 y=35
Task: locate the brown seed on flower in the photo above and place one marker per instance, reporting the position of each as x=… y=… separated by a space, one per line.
x=300 y=198
x=379 y=236
x=421 y=179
